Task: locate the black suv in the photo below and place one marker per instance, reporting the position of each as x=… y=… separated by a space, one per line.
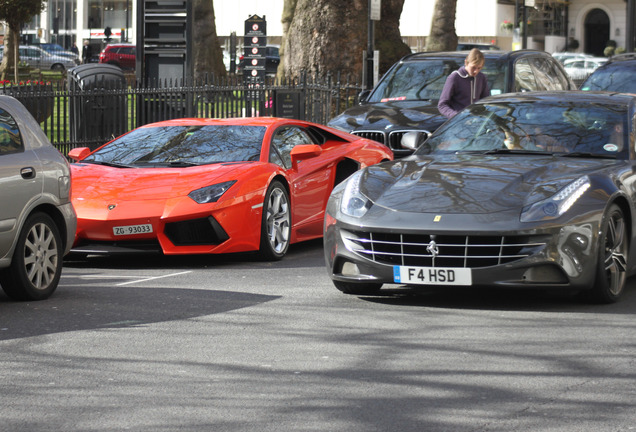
x=405 y=99
x=615 y=75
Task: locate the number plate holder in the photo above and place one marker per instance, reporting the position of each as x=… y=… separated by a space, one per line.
x=433 y=275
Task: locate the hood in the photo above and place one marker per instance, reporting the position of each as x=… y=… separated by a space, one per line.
x=102 y=183
x=475 y=184
x=391 y=115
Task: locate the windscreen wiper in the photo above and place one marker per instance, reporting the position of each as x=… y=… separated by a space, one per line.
x=588 y=155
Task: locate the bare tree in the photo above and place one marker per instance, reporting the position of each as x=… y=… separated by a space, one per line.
x=207 y=51
x=321 y=36
x=15 y=13
x=443 y=36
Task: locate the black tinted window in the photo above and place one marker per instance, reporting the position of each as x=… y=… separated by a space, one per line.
x=10 y=140
x=618 y=77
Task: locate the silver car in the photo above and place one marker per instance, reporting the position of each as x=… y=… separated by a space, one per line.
x=38 y=58
x=37 y=219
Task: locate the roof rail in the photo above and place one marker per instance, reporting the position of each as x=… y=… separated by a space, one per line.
x=624 y=56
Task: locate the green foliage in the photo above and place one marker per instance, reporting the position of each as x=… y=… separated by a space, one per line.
x=18 y=12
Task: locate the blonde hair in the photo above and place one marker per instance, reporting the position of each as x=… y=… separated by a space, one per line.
x=475 y=56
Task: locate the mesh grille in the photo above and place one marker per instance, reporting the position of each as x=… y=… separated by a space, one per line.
x=372 y=135
x=444 y=250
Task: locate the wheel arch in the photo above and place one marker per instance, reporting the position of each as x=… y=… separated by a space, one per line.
x=57 y=217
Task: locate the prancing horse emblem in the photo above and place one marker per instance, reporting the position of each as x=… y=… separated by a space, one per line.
x=111 y=206
x=432 y=249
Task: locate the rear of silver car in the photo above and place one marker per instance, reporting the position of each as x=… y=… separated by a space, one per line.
x=37 y=220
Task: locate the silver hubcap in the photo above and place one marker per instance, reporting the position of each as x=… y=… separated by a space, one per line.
x=615 y=254
x=278 y=220
x=40 y=256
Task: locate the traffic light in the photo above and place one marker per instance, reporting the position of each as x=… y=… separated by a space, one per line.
x=107 y=32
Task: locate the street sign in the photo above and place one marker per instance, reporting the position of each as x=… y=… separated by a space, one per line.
x=254 y=49
x=374 y=9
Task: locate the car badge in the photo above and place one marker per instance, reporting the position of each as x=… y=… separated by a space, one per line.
x=437 y=218
x=432 y=249
x=111 y=206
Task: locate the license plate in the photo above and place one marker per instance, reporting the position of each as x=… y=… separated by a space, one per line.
x=132 y=229
x=432 y=275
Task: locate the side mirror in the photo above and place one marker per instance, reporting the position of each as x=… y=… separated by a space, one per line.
x=79 y=153
x=412 y=140
x=304 y=151
x=363 y=96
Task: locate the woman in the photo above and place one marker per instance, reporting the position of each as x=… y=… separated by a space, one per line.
x=464 y=86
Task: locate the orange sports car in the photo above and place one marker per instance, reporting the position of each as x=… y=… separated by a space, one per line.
x=202 y=186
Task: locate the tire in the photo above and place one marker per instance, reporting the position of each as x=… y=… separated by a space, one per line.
x=358 y=288
x=611 y=270
x=58 y=67
x=37 y=261
x=276 y=223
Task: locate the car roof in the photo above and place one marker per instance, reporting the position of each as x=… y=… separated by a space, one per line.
x=489 y=54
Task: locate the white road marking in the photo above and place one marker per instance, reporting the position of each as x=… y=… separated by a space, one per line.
x=152 y=278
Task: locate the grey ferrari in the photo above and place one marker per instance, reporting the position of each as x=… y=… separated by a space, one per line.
x=517 y=191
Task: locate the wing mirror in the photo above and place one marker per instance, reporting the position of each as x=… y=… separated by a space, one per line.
x=412 y=140
x=304 y=151
x=79 y=153
x=363 y=96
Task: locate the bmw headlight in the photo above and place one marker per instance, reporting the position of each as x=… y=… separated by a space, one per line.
x=212 y=193
x=558 y=204
x=354 y=203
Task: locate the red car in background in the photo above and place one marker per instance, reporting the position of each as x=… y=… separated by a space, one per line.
x=204 y=186
x=119 y=54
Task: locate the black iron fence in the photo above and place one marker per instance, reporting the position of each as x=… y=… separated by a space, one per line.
x=84 y=112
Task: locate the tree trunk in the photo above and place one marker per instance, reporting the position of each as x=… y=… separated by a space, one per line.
x=443 y=36
x=322 y=36
x=10 y=58
x=207 y=51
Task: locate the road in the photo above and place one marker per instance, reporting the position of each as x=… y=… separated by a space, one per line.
x=230 y=343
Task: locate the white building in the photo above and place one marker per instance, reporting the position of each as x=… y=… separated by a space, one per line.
x=552 y=22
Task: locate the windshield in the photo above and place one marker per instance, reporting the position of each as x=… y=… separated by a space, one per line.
x=618 y=78
x=424 y=80
x=175 y=145
x=568 y=128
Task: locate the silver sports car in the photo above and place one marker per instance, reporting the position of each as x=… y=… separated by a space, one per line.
x=517 y=191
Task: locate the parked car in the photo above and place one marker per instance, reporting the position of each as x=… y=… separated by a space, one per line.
x=615 y=75
x=406 y=97
x=579 y=69
x=272 y=60
x=516 y=191
x=204 y=186
x=36 y=57
x=123 y=55
x=467 y=46
x=57 y=49
x=37 y=220
x=565 y=55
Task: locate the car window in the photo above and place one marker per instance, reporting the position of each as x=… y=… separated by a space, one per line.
x=546 y=75
x=524 y=76
x=127 y=50
x=618 y=77
x=286 y=138
x=10 y=139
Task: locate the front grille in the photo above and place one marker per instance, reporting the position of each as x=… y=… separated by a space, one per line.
x=449 y=250
x=395 y=140
x=372 y=135
x=204 y=231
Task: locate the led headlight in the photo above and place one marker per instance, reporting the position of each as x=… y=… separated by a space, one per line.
x=212 y=193
x=558 y=204
x=353 y=202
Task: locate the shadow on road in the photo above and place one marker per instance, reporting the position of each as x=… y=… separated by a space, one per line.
x=100 y=307
x=501 y=299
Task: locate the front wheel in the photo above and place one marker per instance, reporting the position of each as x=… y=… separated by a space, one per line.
x=611 y=270
x=36 y=265
x=276 y=223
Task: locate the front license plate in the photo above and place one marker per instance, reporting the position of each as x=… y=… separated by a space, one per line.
x=132 y=229
x=432 y=275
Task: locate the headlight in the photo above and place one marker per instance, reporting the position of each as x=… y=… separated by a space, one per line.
x=212 y=193
x=353 y=202
x=558 y=204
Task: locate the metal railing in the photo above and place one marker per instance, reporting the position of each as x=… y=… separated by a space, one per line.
x=72 y=116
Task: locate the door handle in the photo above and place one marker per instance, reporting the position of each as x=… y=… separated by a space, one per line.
x=27 y=173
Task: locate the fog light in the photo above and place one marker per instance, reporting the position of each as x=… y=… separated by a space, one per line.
x=350 y=269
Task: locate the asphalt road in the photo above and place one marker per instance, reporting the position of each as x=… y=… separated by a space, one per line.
x=231 y=343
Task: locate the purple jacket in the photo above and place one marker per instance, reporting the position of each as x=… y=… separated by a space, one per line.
x=460 y=90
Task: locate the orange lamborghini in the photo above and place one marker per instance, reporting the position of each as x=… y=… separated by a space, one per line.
x=203 y=186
